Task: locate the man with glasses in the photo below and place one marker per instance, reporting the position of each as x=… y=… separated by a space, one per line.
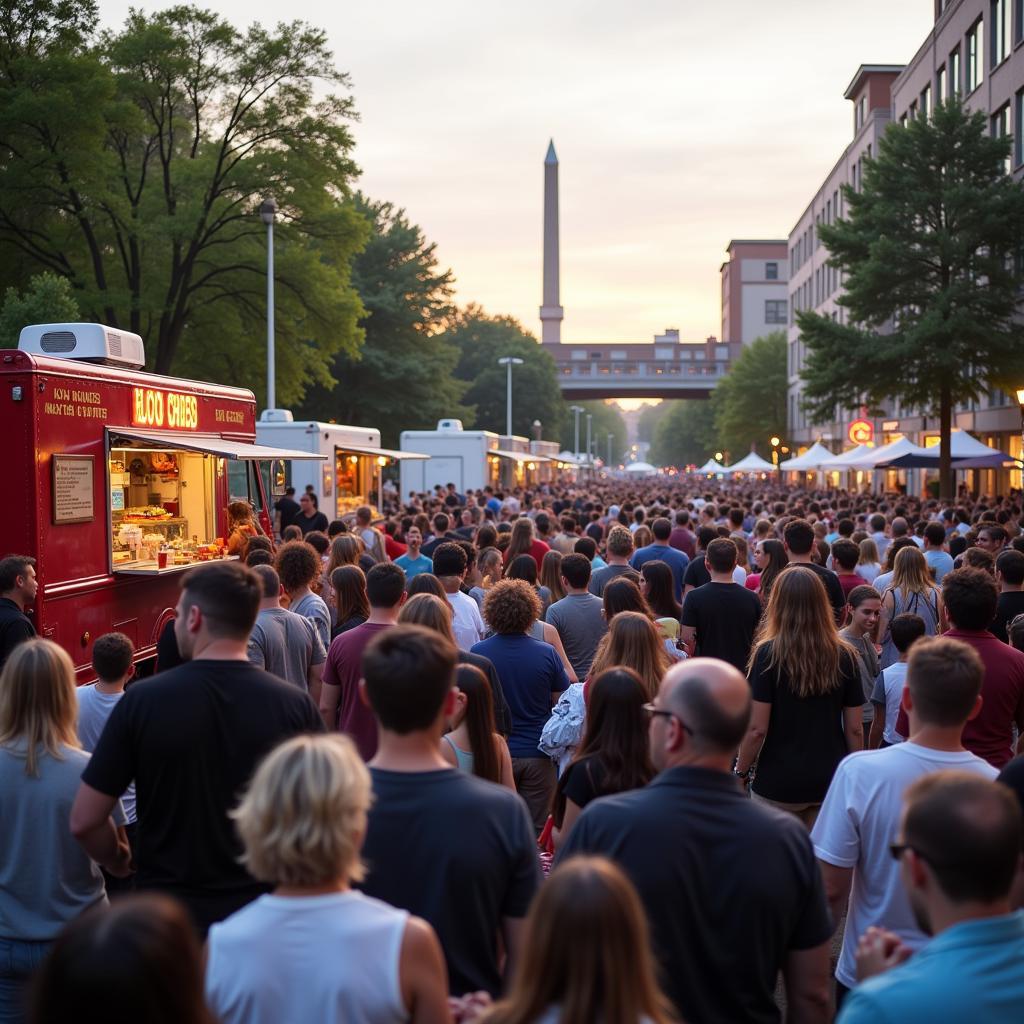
x=958 y=854
x=730 y=886
x=862 y=808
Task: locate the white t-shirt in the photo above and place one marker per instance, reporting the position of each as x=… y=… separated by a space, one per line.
x=467 y=622
x=888 y=691
x=859 y=819
x=94 y=709
x=331 y=959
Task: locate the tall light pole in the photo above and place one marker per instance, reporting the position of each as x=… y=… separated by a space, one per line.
x=508 y=362
x=590 y=417
x=576 y=410
x=268 y=212
x=610 y=436
x=776 y=441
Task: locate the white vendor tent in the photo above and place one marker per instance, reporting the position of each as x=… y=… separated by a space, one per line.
x=847 y=459
x=753 y=463
x=640 y=468
x=812 y=459
x=711 y=467
x=885 y=454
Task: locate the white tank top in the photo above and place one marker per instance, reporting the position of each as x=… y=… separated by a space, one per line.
x=294 y=960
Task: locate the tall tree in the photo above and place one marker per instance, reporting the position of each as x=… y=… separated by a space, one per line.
x=930 y=251
x=405 y=359
x=481 y=341
x=134 y=163
x=685 y=434
x=749 y=403
x=47 y=299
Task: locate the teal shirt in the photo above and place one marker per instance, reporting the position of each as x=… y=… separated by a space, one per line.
x=972 y=972
x=414 y=566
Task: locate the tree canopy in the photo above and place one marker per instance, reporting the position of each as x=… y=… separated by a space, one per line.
x=685 y=434
x=930 y=250
x=47 y=299
x=406 y=364
x=481 y=341
x=133 y=163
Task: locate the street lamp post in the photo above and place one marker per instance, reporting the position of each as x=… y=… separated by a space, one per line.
x=776 y=441
x=508 y=362
x=590 y=419
x=576 y=410
x=610 y=436
x=268 y=213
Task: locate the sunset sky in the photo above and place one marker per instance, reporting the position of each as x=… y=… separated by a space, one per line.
x=678 y=125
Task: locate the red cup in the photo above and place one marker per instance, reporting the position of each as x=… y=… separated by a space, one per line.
x=161 y=559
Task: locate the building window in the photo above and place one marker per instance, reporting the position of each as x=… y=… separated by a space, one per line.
x=926 y=101
x=975 y=56
x=940 y=84
x=1018 y=21
x=913 y=111
x=1000 y=10
x=1001 y=128
x=954 y=72
x=771 y=271
x=1018 y=128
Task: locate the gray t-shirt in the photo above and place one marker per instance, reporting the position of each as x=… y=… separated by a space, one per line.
x=94 y=708
x=580 y=624
x=286 y=644
x=602 y=577
x=314 y=608
x=46 y=878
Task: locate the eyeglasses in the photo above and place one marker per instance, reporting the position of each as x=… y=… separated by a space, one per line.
x=896 y=851
x=654 y=712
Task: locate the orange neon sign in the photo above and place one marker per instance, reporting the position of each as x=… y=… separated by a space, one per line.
x=861 y=432
x=152 y=408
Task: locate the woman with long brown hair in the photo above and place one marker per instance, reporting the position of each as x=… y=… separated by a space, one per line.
x=632 y=641
x=472 y=743
x=551 y=575
x=46 y=877
x=615 y=753
x=912 y=590
x=525 y=542
x=770 y=558
x=351 y=604
x=586 y=954
x=807 y=695
x=434 y=612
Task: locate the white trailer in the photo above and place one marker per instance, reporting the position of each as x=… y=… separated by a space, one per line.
x=470 y=459
x=352 y=474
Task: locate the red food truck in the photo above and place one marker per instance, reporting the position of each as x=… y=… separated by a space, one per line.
x=119 y=481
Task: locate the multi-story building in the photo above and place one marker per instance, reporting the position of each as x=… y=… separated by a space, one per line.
x=975 y=49
x=755 y=291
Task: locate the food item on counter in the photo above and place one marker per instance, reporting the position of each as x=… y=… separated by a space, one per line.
x=145 y=513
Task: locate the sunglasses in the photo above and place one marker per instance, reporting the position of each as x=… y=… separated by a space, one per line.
x=654 y=712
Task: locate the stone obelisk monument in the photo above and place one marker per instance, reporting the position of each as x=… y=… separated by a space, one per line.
x=551 y=312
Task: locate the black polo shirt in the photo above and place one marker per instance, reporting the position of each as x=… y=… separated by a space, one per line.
x=730 y=887
x=15 y=628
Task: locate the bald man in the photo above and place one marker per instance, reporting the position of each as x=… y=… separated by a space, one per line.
x=731 y=888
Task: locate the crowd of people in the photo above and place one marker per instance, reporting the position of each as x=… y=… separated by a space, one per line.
x=609 y=751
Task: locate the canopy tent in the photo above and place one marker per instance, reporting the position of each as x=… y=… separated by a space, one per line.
x=876 y=456
x=967 y=453
x=847 y=458
x=753 y=463
x=812 y=459
x=567 y=456
x=641 y=468
x=711 y=467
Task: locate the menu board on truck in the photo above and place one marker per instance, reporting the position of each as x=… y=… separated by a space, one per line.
x=73 y=500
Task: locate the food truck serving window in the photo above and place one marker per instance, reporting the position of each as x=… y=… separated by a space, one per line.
x=164 y=497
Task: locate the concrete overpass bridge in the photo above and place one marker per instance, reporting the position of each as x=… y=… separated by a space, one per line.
x=667 y=368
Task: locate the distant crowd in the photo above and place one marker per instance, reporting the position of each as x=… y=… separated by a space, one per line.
x=607 y=751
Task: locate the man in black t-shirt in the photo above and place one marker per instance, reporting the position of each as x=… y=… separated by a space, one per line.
x=18 y=587
x=441 y=843
x=1010 y=577
x=732 y=891
x=191 y=738
x=721 y=615
x=697 y=571
x=798 y=539
x=286 y=509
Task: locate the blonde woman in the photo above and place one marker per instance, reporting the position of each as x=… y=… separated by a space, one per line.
x=868 y=565
x=632 y=641
x=46 y=876
x=489 y=569
x=586 y=954
x=808 y=697
x=912 y=590
x=302 y=824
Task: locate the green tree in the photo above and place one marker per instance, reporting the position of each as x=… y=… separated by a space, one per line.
x=685 y=434
x=481 y=341
x=749 y=403
x=134 y=162
x=47 y=299
x=405 y=358
x=650 y=417
x=930 y=251
x=606 y=418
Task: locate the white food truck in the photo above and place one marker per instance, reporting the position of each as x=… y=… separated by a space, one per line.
x=352 y=474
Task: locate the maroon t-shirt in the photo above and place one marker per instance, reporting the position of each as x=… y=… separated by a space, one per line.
x=990 y=735
x=344 y=668
x=683 y=540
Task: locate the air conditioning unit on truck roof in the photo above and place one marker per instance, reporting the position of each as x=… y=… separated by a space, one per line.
x=92 y=343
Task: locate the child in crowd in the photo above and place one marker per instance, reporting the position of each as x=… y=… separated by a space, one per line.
x=113 y=661
x=888 y=690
